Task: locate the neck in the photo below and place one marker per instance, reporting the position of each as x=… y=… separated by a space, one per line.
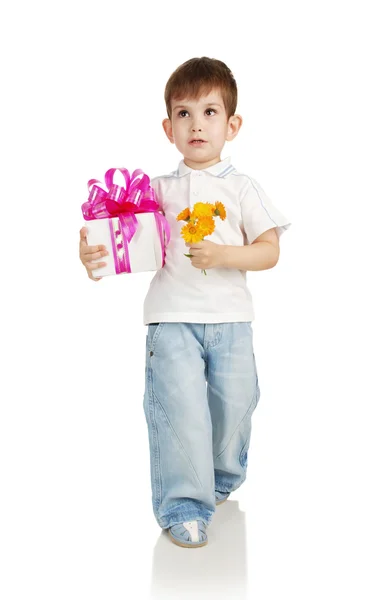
x=201 y=165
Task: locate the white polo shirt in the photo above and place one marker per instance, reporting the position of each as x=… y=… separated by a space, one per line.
x=180 y=292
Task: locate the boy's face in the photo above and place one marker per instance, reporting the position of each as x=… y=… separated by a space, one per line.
x=203 y=119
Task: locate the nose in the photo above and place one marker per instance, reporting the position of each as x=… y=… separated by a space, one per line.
x=196 y=124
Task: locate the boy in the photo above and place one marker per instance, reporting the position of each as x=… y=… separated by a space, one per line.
x=201 y=384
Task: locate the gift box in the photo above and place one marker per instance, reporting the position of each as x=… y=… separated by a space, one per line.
x=127 y=220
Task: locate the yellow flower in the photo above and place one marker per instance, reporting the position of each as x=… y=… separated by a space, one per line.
x=200 y=222
x=220 y=210
x=202 y=209
x=206 y=225
x=184 y=215
x=192 y=233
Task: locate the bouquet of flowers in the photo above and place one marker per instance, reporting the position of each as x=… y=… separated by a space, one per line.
x=200 y=222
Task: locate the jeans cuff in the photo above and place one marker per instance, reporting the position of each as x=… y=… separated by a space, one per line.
x=183 y=517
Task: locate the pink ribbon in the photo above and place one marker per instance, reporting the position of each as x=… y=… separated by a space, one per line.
x=120 y=204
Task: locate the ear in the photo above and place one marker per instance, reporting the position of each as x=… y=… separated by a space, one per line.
x=234 y=124
x=167 y=126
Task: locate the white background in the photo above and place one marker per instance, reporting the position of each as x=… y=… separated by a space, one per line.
x=82 y=91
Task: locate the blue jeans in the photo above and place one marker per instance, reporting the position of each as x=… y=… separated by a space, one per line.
x=201 y=388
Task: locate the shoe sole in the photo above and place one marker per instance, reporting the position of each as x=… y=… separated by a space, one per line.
x=183 y=545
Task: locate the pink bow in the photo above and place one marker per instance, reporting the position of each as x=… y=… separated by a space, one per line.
x=124 y=202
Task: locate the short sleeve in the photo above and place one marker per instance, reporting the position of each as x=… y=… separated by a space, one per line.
x=155 y=183
x=259 y=213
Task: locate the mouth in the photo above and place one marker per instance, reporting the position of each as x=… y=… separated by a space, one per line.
x=197 y=142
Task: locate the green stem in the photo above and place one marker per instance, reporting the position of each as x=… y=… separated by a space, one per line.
x=190 y=256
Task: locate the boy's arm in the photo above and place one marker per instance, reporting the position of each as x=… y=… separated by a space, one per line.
x=262 y=253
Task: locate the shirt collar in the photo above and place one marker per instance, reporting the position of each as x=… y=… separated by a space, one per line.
x=216 y=169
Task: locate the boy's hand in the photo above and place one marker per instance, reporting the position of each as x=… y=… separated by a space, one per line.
x=206 y=254
x=89 y=253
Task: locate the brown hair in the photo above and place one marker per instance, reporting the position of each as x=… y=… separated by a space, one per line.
x=199 y=76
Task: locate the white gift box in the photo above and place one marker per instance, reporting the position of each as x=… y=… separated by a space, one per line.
x=144 y=250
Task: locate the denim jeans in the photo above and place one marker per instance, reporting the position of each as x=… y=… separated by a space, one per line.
x=201 y=388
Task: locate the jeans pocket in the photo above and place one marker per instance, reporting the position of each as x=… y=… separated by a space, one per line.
x=154 y=331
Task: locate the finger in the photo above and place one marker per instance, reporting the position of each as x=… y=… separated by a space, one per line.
x=93 y=266
x=83 y=235
x=91 y=276
x=196 y=246
x=87 y=254
x=99 y=248
x=84 y=242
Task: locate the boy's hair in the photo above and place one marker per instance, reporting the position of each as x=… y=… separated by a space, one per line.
x=197 y=77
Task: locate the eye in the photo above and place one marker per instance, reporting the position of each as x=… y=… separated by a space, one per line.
x=211 y=109
x=181 y=111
